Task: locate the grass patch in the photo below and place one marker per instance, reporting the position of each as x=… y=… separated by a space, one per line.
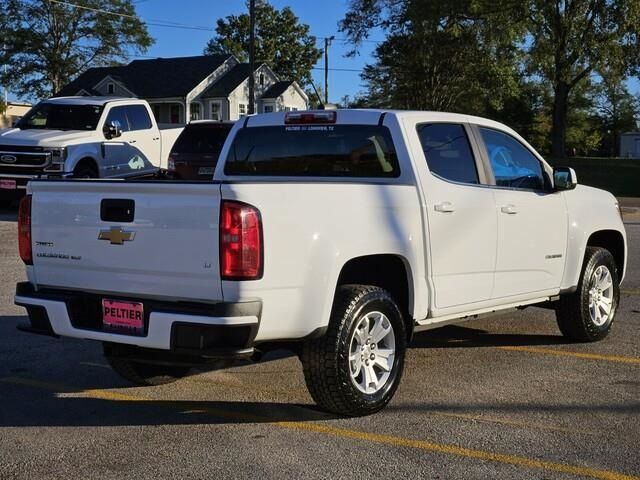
x=620 y=176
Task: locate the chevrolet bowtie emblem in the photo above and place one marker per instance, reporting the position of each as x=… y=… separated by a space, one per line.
x=116 y=235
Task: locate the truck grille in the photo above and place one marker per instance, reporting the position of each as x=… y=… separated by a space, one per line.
x=23 y=157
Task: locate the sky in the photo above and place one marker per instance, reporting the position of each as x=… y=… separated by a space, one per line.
x=322 y=17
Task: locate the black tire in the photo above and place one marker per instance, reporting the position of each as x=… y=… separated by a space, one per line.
x=326 y=360
x=146 y=374
x=85 y=171
x=573 y=310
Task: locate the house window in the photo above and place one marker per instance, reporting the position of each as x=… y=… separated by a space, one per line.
x=195 y=111
x=156 y=112
x=175 y=113
x=287 y=109
x=242 y=109
x=216 y=113
x=111 y=88
x=294 y=109
x=262 y=79
x=268 y=108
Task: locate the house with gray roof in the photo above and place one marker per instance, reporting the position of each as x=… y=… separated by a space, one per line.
x=192 y=88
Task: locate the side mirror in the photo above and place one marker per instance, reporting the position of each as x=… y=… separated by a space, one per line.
x=113 y=130
x=564 y=178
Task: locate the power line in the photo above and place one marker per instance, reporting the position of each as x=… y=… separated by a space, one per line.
x=155 y=23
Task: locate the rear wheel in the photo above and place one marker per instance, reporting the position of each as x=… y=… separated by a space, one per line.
x=356 y=367
x=146 y=374
x=587 y=314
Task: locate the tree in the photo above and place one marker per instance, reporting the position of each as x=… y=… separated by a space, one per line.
x=616 y=110
x=49 y=42
x=571 y=39
x=282 y=42
x=453 y=55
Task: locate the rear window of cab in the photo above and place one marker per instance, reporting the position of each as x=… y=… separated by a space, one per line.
x=313 y=151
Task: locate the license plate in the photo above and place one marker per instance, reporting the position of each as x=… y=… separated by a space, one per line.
x=205 y=171
x=123 y=317
x=8 y=185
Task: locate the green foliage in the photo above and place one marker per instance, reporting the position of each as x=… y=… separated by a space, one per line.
x=534 y=64
x=437 y=56
x=282 y=42
x=47 y=43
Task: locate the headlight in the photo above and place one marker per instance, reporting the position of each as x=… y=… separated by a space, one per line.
x=58 y=157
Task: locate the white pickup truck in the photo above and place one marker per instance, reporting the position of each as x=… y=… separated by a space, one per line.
x=82 y=137
x=336 y=234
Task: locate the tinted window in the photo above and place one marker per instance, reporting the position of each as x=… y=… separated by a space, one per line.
x=56 y=116
x=201 y=139
x=513 y=165
x=313 y=151
x=447 y=151
x=138 y=117
x=118 y=115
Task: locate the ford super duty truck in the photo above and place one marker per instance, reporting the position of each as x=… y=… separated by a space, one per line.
x=335 y=234
x=82 y=137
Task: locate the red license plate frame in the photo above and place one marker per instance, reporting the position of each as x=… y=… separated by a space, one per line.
x=122 y=316
x=6 y=184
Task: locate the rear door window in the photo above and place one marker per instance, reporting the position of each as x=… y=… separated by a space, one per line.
x=201 y=139
x=448 y=152
x=313 y=151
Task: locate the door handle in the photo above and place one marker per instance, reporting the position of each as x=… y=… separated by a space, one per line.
x=444 y=207
x=156 y=138
x=509 y=209
x=132 y=141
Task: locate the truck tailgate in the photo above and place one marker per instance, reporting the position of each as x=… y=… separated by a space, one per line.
x=82 y=238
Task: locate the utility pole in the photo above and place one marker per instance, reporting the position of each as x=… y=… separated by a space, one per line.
x=327 y=44
x=252 y=52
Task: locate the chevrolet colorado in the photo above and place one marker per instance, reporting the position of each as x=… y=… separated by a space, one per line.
x=337 y=234
x=82 y=137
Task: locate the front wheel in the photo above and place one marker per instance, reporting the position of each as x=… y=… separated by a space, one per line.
x=587 y=314
x=356 y=367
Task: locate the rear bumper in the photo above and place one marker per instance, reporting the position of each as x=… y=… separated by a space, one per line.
x=196 y=329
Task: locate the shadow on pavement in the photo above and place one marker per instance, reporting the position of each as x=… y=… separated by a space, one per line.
x=454 y=336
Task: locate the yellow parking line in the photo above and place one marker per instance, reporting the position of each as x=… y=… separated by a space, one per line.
x=401 y=442
x=566 y=353
x=633 y=291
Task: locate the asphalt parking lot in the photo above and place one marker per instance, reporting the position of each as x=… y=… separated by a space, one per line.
x=505 y=397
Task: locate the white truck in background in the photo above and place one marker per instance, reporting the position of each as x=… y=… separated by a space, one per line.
x=334 y=234
x=82 y=137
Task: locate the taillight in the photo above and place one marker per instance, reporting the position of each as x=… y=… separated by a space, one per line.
x=291 y=118
x=24 y=230
x=240 y=242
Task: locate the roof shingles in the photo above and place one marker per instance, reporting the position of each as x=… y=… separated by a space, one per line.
x=157 y=78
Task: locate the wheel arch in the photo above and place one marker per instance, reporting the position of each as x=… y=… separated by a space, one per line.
x=613 y=241
x=388 y=271
x=87 y=161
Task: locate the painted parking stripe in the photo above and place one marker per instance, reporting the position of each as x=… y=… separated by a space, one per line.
x=370 y=437
x=568 y=353
x=633 y=291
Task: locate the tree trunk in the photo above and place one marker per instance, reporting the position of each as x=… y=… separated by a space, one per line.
x=559 y=127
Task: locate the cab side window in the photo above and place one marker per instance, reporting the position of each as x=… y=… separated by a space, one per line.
x=138 y=117
x=513 y=165
x=448 y=152
x=119 y=115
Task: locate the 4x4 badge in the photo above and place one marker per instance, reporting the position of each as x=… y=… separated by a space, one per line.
x=116 y=235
